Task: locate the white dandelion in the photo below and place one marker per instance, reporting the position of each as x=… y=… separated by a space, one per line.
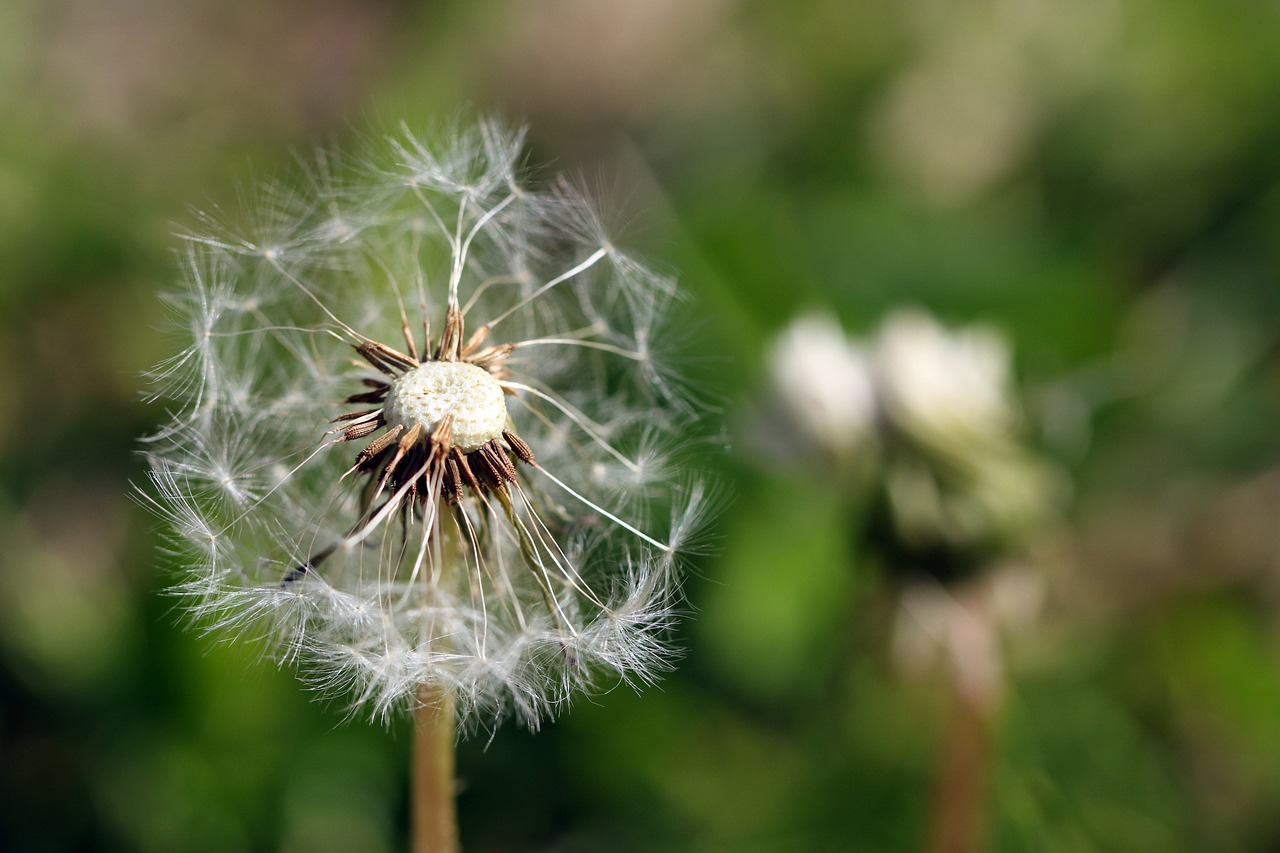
x=421 y=436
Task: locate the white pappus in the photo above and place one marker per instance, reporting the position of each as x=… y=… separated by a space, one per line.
x=420 y=433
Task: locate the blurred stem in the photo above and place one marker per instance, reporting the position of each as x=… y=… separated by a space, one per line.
x=959 y=821
x=435 y=819
x=974 y=687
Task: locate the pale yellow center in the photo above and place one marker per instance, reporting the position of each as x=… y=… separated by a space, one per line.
x=436 y=389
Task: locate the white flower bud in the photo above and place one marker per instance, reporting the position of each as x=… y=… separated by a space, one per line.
x=952 y=386
x=822 y=387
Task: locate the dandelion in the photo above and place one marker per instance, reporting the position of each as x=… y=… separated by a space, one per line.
x=926 y=419
x=923 y=415
x=424 y=438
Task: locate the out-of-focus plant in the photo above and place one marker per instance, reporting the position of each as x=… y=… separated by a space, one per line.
x=921 y=427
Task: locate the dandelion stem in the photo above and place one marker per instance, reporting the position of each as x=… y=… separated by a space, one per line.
x=959 y=819
x=435 y=820
x=959 y=824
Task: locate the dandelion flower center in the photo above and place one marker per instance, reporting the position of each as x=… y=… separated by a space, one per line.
x=435 y=390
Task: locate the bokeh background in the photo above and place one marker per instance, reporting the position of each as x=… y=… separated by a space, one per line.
x=1098 y=179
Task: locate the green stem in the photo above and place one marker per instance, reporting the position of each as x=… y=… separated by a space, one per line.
x=435 y=820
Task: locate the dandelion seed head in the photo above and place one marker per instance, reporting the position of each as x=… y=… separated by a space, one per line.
x=426 y=431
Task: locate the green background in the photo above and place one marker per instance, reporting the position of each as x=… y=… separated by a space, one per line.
x=1100 y=179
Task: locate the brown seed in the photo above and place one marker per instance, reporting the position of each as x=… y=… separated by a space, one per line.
x=451 y=337
x=475 y=340
x=491 y=357
x=452 y=481
x=368 y=397
x=379 y=444
x=406 y=442
x=371 y=356
x=464 y=468
x=497 y=462
x=361 y=430
x=351 y=416
x=392 y=355
x=442 y=436
x=518 y=446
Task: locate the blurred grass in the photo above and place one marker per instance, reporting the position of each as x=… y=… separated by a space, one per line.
x=1098 y=178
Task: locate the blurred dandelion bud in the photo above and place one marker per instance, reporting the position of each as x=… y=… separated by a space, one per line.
x=931 y=416
x=423 y=434
x=822 y=404
x=943 y=388
x=961 y=485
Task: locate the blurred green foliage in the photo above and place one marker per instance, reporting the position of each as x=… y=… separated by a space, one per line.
x=1100 y=179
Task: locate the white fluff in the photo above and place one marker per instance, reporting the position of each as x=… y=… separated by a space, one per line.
x=512 y=606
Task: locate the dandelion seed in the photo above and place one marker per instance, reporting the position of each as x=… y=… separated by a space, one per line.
x=421 y=436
